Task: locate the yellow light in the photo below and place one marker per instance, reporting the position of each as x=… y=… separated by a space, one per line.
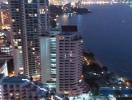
x=52 y=98
x=12 y=74
x=127 y=83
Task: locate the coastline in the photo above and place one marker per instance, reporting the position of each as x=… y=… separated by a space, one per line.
x=113 y=54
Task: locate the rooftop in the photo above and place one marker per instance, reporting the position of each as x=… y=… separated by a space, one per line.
x=69 y=28
x=15 y=79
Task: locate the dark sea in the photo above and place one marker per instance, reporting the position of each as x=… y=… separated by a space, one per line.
x=107 y=32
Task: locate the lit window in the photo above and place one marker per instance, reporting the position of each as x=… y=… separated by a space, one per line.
x=19 y=40
x=53 y=65
x=35 y=15
x=21 y=68
x=53 y=39
x=17 y=10
x=61 y=38
x=30 y=15
x=53 y=71
x=11 y=94
x=33 y=48
x=53 y=60
x=53 y=79
x=19 y=47
x=17 y=94
x=53 y=55
x=70 y=54
x=42 y=11
x=20 y=51
x=6 y=2
x=29 y=1
x=13 y=20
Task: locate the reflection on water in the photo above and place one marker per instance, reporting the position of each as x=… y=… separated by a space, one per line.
x=65 y=18
x=107 y=33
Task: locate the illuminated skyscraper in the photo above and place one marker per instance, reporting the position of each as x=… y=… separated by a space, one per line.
x=5 y=45
x=29 y=21
x=3 y=68
x=69 y=57
x=4 y=19
x=48 y=60
x=6 y=53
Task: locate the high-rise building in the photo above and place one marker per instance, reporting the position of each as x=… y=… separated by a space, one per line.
x=69 y=61
x=3 y=67
x=48 y=58
x=4 y=18
x=5 y=45
x=61 y=60
x=29 y=21
x=6 y=52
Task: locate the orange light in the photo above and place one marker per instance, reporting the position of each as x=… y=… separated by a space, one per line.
x=127 y=83
x=13 y=73
x=82 y=76
x=52 y=98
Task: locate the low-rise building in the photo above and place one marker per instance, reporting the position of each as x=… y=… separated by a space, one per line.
x=20 y=88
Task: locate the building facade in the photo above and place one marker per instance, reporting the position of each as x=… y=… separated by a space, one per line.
x=48 y=59
x=3 y=68
x=20 y=88
x=29 y=21
x=6 y=52
x=69 y=61
x=5 y=45
x=4 y=18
